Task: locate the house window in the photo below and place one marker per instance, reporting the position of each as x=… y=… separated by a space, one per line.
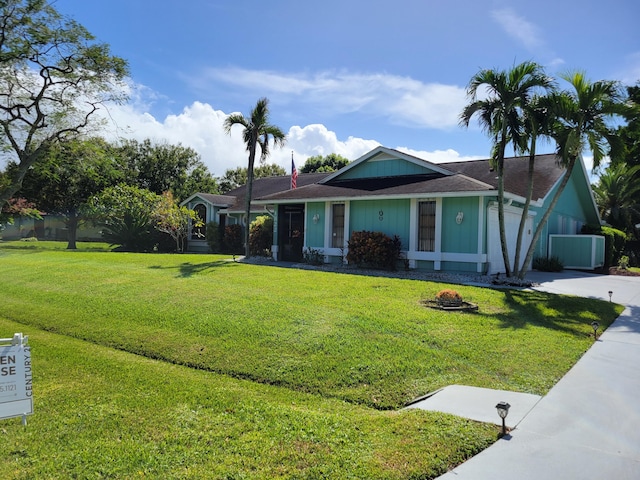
x=197 y=233
x=427 y=226
x=337 y=225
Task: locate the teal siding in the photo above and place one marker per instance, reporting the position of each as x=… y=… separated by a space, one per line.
x=461 y=238
x=460 y=267
x=425 y=265
x=600 y=250
x=365 y=215
x=384 y=168
x=314 y=234
x=578 y=251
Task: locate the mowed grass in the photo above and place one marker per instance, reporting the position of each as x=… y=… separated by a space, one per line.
x=102 y=413
x=260 y=342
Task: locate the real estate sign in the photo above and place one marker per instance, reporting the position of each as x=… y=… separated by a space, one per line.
x=16 y=395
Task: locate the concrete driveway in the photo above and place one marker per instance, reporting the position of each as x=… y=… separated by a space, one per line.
x=588 y=425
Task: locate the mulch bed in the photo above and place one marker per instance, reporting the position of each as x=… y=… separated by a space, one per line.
x=623 y=272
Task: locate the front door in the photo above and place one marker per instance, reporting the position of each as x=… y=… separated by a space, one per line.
x=290 y=232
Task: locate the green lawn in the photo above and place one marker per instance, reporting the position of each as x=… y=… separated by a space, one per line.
x=294 y=374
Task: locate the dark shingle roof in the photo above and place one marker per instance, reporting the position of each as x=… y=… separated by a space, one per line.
x=269 y=185
x=546 y=174
x=469 y=176
x=219 y=200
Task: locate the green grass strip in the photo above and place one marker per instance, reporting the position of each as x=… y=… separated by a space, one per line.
x=366 y=340
x=102 y=413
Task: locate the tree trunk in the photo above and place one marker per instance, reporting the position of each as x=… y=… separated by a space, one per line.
x=547 y=213
x=503 y=236
x=72 y=229
x=520 y=271
x=252 y=158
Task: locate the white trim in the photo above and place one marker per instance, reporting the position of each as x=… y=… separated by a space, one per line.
x=413 y=230
x=347 y=229
x=481 y=225
x=482 y=193
x=438 y=243
x=328 y=214
x=447 y=257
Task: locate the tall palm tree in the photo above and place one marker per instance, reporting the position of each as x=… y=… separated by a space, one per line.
x=501 y=115
x=537 y=123
x=257 y=131
x=579 y=118
x=617 y=194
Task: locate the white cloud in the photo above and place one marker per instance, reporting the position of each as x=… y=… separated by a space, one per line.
x=199 y=126
x=438 y=156
x=404 y=101
x=519 y=28
x=631 y=73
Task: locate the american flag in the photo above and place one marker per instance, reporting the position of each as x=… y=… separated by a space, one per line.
x=294 y=174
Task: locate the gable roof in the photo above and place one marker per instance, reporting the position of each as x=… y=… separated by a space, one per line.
x=215 y=200
x=516 y=172
x=474 y=177
x=381 y=153
x=267 y=186
x=467 y=177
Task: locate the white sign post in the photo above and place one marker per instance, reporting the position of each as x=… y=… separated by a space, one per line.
x=16 y=394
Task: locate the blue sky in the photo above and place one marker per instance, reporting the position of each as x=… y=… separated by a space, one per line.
x=341 y=75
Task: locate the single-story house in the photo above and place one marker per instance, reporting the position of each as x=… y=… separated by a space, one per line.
x=446 y=215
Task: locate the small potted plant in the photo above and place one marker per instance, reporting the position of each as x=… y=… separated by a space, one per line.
x=448 y=298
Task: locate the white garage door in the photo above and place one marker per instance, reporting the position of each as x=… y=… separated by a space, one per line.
x=512 y=222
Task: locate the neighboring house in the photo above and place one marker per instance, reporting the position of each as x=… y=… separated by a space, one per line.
x=446 y=215
x=49 y=227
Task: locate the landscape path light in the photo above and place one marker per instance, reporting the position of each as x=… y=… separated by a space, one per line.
x=595 y=326
x=610 y=294
x=503 y=411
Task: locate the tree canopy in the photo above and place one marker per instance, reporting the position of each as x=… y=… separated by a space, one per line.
x=54 y=77
x=234 y=178
x=67 y=176
x=630 y=133
x=162 y=167
x=328 y=163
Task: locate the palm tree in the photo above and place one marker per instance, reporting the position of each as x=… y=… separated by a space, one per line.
x=501 y=115
x=537 y=123
x=579 y=119
x=257 y=131
x=617 y=194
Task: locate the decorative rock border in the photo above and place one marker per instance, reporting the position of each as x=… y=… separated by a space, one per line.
x=463 y=307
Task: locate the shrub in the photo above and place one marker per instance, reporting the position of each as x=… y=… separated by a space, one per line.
x=161 y=242
x=623 y=263
x=126 y=215
x=232 y=241
x=374 y=249
x=448 y=297
x=614 y=242
x=551 y=264
x=312 y=256
x=261 y=236
x=213 y=236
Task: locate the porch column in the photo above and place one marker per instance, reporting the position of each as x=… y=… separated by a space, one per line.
x=413 y=231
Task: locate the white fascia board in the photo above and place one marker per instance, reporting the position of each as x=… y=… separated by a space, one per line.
x=489 y=193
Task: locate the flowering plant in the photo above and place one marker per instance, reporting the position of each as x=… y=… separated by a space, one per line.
x=448 y=296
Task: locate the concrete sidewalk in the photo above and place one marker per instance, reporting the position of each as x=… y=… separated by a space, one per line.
x=588 y=425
